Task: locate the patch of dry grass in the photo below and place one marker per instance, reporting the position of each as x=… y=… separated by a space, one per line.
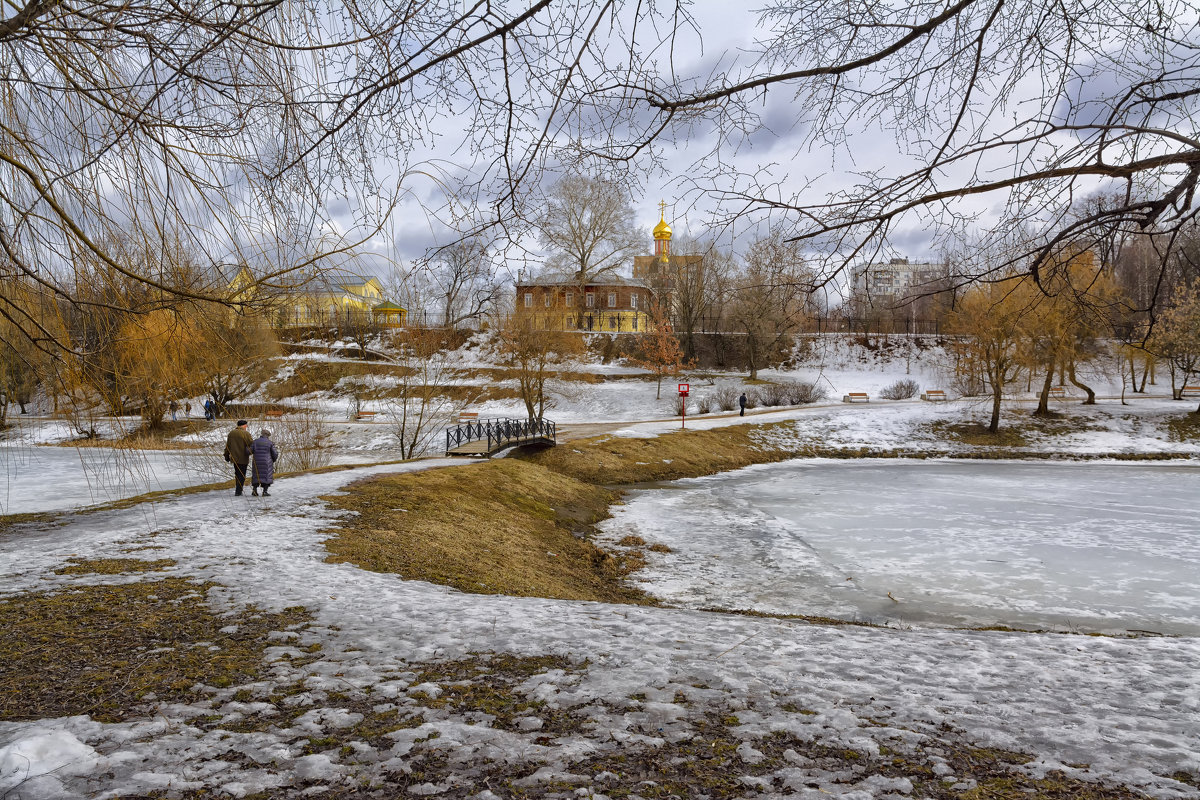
x=976 y=434
x=498 y=527
x=323 y=376
x=10 y=523
x=113 y=566
x=612 y=461
x=108 y=651
x=708 y=763
x=1184 y=429
x=161 y=437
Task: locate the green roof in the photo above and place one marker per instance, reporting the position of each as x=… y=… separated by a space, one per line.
x=387 y=305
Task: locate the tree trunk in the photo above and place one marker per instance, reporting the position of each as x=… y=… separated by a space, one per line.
x=1132 y=374
x=1145 y=373
x=1043 y=408
x=1091 y=396
x=994 y=425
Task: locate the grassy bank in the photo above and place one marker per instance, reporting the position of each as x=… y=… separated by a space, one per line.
x=496 y=527
x=619 y=461
x=519 y=525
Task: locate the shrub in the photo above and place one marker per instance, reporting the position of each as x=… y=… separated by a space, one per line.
x=774 y=394
x=704 y=404
x=902 y=389
x=726 y=397
x=968 y=385
x=753 y=398
x=801 y=392
x=679 y=403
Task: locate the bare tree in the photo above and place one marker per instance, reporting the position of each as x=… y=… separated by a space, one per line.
x=588 y=227
x=532 y=354
x=465 y=281
x=423 y=404
x=770 y=300
x=276 y=135
x=1019 y=104
x=234 y=354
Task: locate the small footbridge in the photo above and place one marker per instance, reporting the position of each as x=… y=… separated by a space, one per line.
x=483 y=437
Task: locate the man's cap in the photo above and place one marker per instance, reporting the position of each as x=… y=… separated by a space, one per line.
x=242 y=422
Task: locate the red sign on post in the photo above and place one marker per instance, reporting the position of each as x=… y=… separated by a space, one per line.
x=683 y=389
x=683 y=393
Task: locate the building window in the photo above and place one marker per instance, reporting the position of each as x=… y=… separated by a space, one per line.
x=612 y=299
x=547 y=299
x=591 y=300
x=529 y=299
x=569 y=299
x=633 y=301
x=635 y=319
x=612 y=323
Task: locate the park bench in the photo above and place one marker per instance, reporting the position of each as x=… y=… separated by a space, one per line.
x=856 y=397
x=933 y=395
x=1059 y=392
x=273 y=413
x=1190 y=391
x=366 y=416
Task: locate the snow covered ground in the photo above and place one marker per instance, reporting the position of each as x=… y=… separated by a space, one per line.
x=1129 y=709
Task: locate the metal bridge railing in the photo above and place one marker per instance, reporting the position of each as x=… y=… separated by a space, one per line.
x=500 y=432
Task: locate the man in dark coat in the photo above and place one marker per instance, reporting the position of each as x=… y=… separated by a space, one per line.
x=237 y=452
x=742 y=404
x=264 y=455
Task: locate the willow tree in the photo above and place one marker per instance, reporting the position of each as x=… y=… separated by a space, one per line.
x=989 y=326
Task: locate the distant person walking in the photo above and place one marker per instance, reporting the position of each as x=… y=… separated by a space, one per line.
x=208 y=410
x=263 y=455
x=174 y=408
x=187 y=409
x=742 y=405
x=237 y=452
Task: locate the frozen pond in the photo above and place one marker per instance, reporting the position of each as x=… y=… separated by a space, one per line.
x=1090 y=547
x=35 y=479
x=60 y=478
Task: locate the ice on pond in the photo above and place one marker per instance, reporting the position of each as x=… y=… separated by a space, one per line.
x=1093 y=547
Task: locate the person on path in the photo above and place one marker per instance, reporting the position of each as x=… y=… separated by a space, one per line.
x=263 y=455
x=237 y=452
x=174 y=407
x=187 y=409
x=208 y=410
x=742 y=405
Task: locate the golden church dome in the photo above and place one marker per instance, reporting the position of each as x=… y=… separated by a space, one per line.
x=662 y=230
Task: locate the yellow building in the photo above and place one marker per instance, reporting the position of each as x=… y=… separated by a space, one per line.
x=331 y=298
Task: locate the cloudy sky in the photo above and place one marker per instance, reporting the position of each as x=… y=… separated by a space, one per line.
x=766 y=147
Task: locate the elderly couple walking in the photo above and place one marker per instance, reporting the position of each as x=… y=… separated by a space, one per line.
x=242 y=450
